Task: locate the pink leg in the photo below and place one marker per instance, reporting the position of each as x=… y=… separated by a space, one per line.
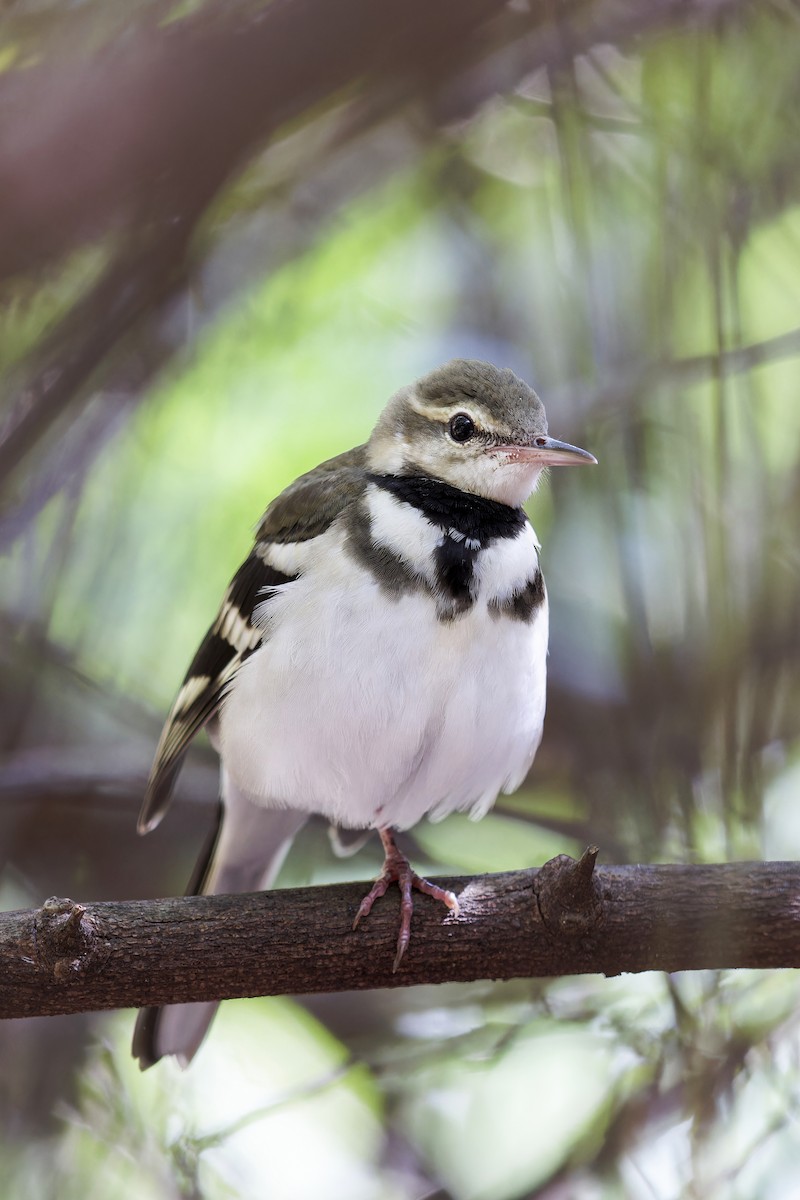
x=397 y=869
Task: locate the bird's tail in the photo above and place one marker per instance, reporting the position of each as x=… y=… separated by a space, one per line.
x=243 y=854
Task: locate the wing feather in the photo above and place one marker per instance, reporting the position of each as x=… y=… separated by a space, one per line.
x=304 y=511
x=229 y=641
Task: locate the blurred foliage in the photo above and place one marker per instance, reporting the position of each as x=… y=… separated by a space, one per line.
x=622 y=226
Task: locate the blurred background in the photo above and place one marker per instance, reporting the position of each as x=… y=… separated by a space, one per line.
x=228 y=232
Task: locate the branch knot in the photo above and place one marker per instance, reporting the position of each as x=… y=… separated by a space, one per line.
x=568 y=896
x=66 y=939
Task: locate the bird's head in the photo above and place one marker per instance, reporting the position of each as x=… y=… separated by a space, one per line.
x=474 y=426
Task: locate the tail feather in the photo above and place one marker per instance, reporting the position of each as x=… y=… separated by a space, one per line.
x=243 y=854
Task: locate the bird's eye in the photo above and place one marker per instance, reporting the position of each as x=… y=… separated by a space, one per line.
x=462 y=427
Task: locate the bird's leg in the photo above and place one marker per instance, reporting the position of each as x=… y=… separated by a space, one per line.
x=397 y=869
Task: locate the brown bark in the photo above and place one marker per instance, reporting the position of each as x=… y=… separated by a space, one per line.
x=563 y=919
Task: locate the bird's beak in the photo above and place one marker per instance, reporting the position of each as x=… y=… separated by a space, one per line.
x=547 y=452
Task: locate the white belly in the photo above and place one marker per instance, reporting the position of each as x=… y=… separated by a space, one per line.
x=371 y=712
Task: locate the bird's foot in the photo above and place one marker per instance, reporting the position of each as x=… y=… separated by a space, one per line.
x=397 y=869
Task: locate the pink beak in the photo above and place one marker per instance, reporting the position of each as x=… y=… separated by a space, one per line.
x=546 y=452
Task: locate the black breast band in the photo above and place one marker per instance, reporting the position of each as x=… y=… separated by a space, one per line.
x=448 y=507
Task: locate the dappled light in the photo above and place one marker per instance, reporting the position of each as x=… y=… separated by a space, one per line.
x=210 y=281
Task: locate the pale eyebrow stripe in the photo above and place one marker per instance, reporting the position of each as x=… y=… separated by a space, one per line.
x=440 y=414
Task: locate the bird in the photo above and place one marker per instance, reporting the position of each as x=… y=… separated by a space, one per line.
x=380 y=656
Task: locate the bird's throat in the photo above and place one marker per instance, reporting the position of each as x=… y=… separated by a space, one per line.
x=475 y=517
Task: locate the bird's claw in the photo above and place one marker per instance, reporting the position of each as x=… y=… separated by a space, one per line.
x=397 y=869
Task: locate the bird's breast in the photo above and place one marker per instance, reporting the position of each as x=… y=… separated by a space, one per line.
x=384 y=693
x=456 y=558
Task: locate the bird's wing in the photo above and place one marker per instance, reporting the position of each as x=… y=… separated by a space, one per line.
x=304 y=511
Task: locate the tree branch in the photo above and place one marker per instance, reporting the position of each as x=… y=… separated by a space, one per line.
x=563 y=919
